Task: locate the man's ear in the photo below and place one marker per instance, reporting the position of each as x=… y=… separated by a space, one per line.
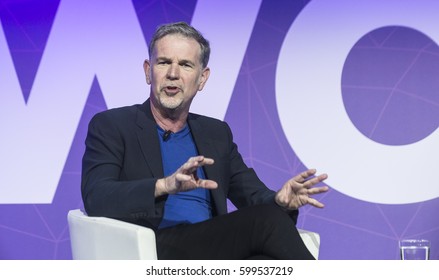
x=204 y=77
x=147 y=69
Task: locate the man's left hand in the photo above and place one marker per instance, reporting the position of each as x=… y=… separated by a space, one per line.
x=297 y=191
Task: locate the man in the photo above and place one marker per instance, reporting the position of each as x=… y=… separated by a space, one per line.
x=160 y=166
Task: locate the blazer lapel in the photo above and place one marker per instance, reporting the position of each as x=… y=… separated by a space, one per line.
x=148 y=140
x=206 y=147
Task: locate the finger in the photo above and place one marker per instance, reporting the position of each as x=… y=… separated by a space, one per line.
x=195 y=162
x=201 y=160
x=196 y=158
x=304 y=175
x=315 y=180
x=315 y=203
x=207 y=184
x=182 y=177
x=206 y=161
x=191 y=165
x=318 y=190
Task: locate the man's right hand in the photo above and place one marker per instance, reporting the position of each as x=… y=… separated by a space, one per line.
x=185 y=178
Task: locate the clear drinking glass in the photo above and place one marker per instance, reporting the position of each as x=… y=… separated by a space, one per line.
x=414 y=249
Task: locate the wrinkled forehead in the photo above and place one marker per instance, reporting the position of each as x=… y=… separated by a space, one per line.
x=176 y=45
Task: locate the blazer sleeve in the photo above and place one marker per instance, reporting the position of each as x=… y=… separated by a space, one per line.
x=106 y=191
x=245 y=187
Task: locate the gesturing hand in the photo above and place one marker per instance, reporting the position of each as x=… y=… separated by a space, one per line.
x=297 y=191
x=185 y=178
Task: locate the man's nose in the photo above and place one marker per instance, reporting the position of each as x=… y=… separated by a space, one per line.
x=173 y=71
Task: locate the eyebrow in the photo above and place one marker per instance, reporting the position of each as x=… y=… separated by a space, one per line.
x=183 y=61
x=162 y=58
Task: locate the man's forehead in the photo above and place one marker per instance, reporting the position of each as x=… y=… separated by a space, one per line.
x=177 y=42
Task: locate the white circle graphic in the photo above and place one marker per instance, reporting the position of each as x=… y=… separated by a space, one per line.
x=311 y=110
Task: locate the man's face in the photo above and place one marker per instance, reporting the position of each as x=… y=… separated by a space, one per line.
x=175 y=72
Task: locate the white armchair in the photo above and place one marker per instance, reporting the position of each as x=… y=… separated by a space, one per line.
x=312 y=241
x=99 y=238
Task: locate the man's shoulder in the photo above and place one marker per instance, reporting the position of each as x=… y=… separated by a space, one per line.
x=209 y=127
x=206 y=120
x=203 y=118
x=125 y=110
x=120 y=116
x=119 y=113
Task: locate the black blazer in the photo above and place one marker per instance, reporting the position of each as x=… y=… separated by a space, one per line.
x=122 y=162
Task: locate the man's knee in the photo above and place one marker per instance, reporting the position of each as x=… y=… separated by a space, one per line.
x=271 y=214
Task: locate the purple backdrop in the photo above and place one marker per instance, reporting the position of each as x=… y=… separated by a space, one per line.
x=389 y=89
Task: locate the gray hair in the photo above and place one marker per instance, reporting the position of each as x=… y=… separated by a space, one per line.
x=184 y=29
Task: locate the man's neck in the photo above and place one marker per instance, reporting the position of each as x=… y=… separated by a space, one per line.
x=169 y=121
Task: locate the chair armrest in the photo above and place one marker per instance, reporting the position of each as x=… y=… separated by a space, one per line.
x=104 y=238
x=312 y=241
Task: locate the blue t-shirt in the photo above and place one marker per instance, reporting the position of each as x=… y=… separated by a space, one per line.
x=186 y=207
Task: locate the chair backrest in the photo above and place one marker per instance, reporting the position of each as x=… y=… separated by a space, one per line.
x=99 y=238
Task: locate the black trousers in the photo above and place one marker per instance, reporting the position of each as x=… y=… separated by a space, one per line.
x=256 y=232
